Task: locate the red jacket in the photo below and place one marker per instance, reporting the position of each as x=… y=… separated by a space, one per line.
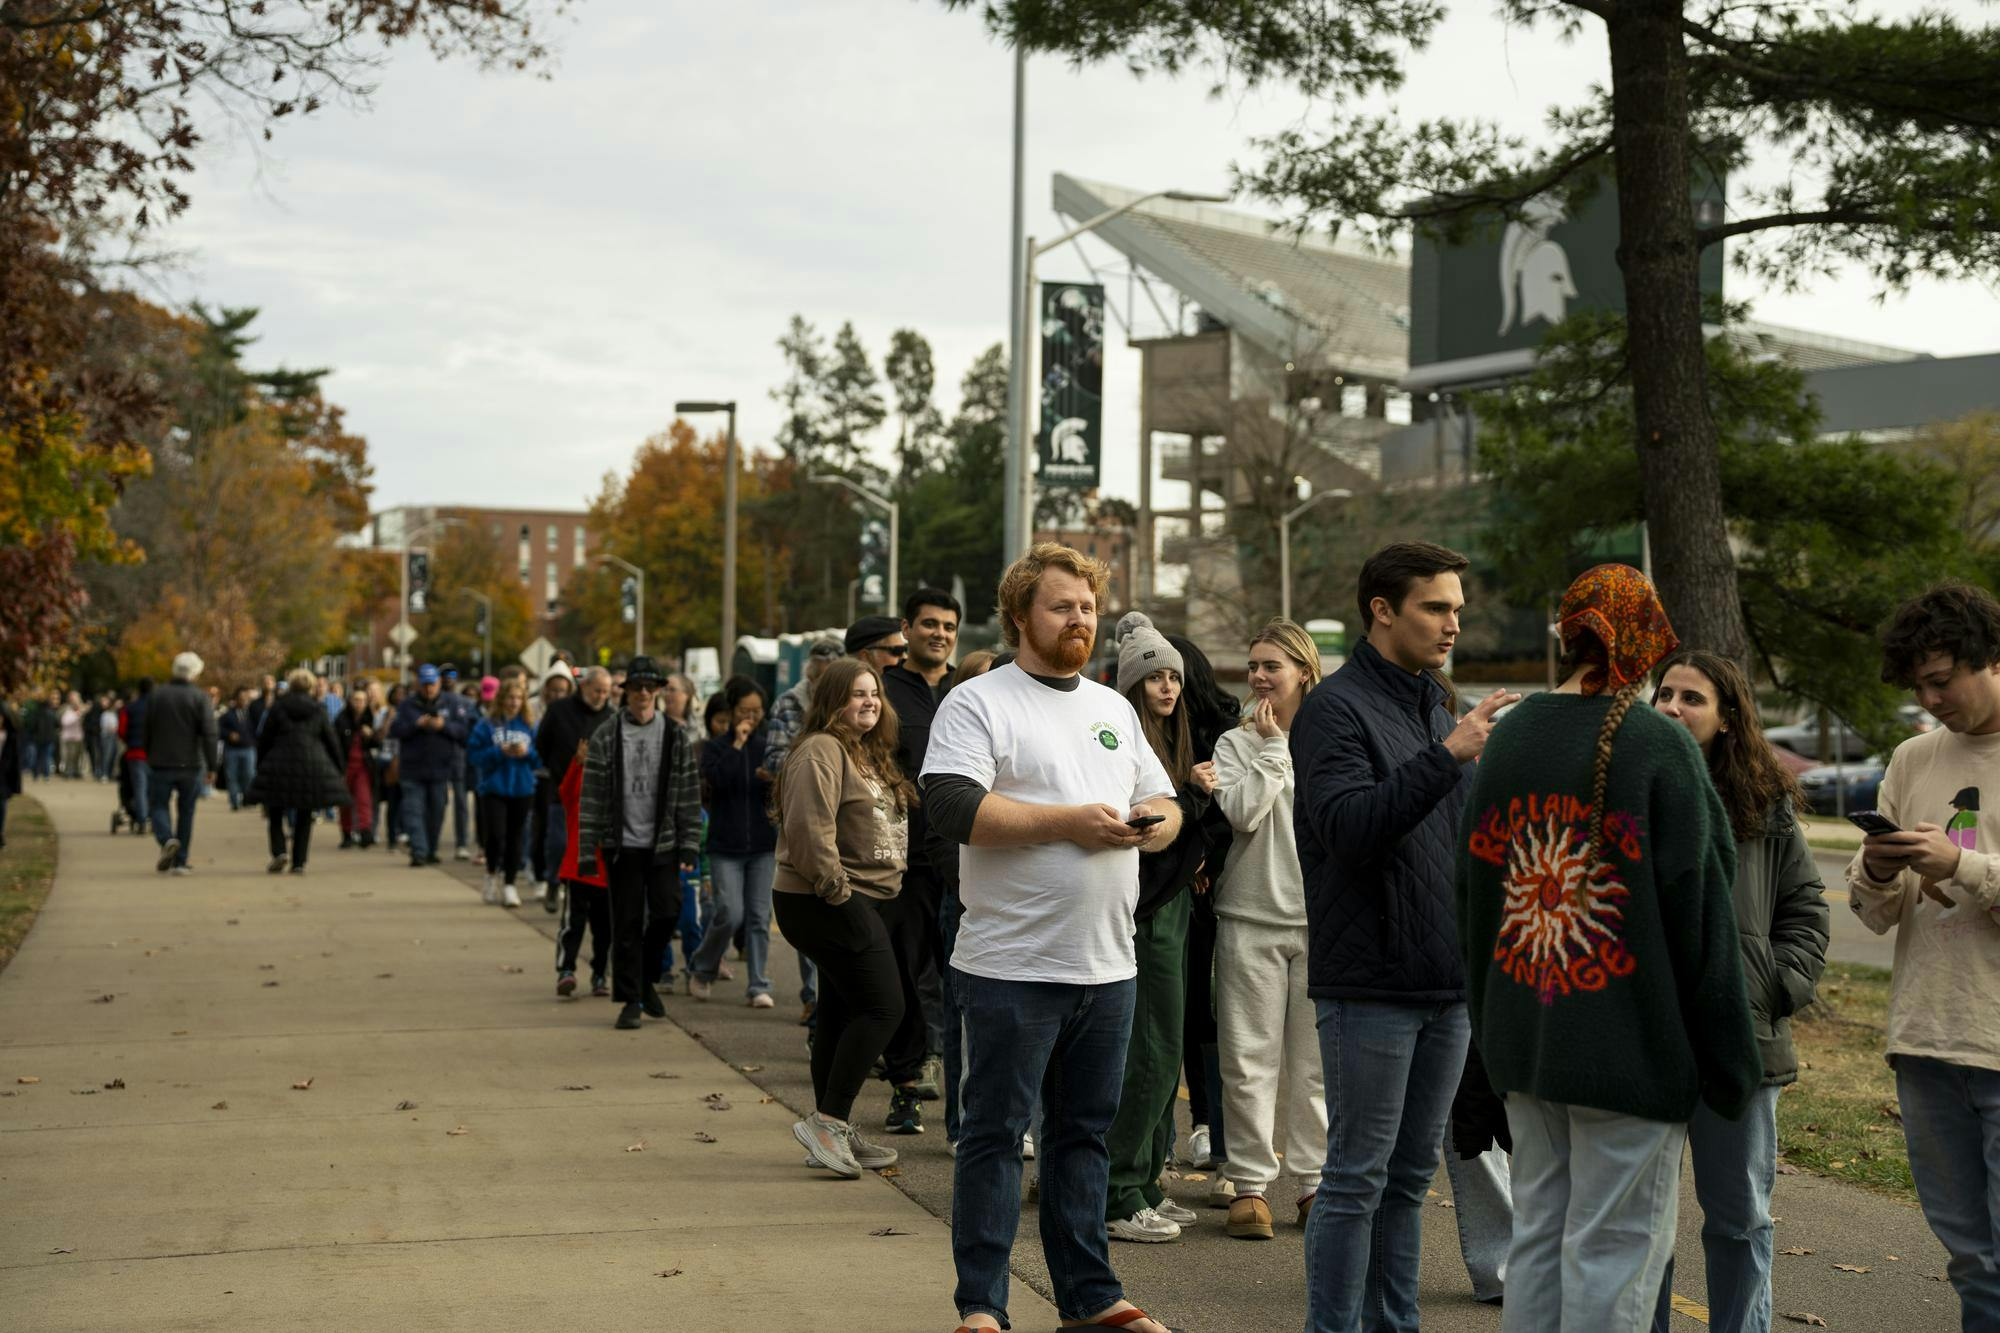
x=571 y=792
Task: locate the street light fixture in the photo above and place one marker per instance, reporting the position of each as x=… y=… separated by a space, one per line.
x=486 y=630
x=639 y=605
x=688 y=409
x=1285 y=545
x=895 y=536
x=1019 y=503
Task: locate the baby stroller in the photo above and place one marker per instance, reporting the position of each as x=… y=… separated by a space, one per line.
x=127 y=815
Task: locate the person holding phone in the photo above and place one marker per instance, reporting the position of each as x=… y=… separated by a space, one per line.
x=1150 y=674
x=1781 y=923
x=1037 y=773
x=502 y=752
x=1936 y=883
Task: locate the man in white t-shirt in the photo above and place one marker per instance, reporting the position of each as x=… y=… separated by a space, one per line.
x=1042 y=775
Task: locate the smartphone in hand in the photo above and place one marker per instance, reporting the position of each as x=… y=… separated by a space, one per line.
x=1872 y=822
x=1145 y=821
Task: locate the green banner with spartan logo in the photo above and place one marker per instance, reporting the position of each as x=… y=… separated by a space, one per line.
x=1068 y=444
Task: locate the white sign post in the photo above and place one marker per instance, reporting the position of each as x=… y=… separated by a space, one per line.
x=538 y=657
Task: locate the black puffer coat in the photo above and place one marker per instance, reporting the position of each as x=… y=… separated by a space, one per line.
x=299 y=764
x=1377 y=811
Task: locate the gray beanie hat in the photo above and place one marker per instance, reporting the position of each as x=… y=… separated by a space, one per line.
x=1142 y=650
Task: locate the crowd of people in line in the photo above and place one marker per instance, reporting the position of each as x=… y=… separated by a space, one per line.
x=1556 y=940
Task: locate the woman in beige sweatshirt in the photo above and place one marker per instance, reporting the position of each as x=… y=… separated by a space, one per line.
x=843 y=839
x=1264 y=1019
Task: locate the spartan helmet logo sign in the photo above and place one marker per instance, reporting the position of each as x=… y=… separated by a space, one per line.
x=1535 y=281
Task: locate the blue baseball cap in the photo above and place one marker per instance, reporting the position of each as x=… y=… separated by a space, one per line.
x=427 y=674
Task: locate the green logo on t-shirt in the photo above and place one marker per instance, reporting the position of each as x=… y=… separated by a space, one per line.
x=1106 y=735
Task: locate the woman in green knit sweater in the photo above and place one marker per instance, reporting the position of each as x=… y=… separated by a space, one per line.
x=1603 y=974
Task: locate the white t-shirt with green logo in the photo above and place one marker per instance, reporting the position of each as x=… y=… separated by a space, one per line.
x=1052 y=911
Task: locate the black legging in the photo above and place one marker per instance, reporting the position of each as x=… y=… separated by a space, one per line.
x=911 y=921
x=502 y=819
x=860 y=991
x=1198 y=1026
x=302 y=832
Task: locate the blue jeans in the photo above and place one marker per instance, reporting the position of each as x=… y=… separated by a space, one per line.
x=1735 y=1164
x=1596 y=1199
x=1483 y=1203
x=1951 y=1121
x=1390 y=1070
x=1066 y=1043
x=184 y=785
x=742 y=896
x=423 y=814
x=239 y=770
x=691 y=927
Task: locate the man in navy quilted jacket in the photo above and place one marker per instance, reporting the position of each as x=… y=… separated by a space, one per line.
x=1382 y=777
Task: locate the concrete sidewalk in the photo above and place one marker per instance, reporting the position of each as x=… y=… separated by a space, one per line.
x=470 y=1152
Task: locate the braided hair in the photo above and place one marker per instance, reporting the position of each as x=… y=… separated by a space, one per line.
x=1601 y=774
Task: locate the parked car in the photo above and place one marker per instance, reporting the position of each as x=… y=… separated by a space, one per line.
x=1835 y=789
x=1802 y=738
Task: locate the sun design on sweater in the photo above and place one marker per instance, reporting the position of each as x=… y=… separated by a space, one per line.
x=1560 y=930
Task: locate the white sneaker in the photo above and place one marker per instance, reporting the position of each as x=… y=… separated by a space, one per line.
x=508 y=896
x=763 y=1001
x=461 y=855
x=1145 y=1227
x=697 y=988
x=826 y=1141
x=1199 y=1154
x=869 y=1156
x=1027 y=1147
x=1176 y=1213
x=489 y=890
x=1221 y=1192
x=537 y=890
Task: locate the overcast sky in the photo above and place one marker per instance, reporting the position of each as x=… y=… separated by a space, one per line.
x=514 y=279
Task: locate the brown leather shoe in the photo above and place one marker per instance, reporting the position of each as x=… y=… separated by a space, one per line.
x=1250 y=1219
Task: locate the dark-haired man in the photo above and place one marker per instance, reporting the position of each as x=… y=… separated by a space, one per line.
x=1937 y=882
x=1382 y=774
x=914 y=1059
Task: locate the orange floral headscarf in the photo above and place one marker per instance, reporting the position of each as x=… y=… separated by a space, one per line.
x=1617 y=605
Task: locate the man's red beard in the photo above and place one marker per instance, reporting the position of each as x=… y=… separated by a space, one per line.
x=1065 y=650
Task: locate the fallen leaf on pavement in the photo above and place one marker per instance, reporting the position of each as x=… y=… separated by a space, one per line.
x=663 y=1075
x=456 y=1131
x=1199 y=1176
x=1446 y=1203
x=269 y=984
x=1853 y=1268
x=1787 y=1169
x=703 y=1136
x=668 y=1272
x=384 y=976
x=29 y=1078
x=118 y=1083
x=1811 y=1319
x=749 y=1069
x=890 y=1231
x=766 y=1101
x=1796 y=1250
x=1895 y=1258
x=406 y=1106
x=1835 y=1166
x=182 y=1032
x=574 y=1087
x=640 y=1146
x=510 y=967
x=104 y=999
x=220 y=1106
x=83 y=1092
x=63 y=1249
x=716 y=1102
x=230 y=922
x=267 y=967
x=303 y=1085
x=890 y=1172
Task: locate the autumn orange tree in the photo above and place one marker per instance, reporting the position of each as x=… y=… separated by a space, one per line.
x=665 y=516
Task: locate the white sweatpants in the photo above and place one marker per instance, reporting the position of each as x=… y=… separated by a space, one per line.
x=1265 y=1030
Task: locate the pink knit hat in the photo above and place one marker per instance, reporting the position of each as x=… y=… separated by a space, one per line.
x=488 y=687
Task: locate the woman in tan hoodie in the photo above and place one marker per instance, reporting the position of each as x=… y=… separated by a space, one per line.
x=843 y=839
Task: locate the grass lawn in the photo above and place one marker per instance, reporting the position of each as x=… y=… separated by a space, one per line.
x=1841 y=1119
x=27 y=869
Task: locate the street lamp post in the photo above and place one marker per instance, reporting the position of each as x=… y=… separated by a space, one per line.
x=403 y=605
x=486 y=630
x=728 y=523
x=639 y=603
x=1020 y=499
x=1285 y=545
x=895 y=536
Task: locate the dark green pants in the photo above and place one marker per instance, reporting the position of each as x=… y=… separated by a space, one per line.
x=1143 y=1131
